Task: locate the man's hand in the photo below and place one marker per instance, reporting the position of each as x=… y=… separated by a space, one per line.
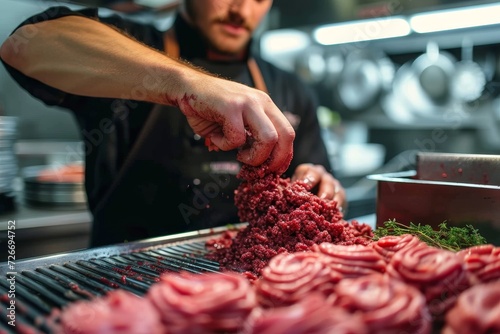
x=226 y=113
x=317 y=177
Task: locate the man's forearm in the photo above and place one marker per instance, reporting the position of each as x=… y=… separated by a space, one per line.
x=85 y=57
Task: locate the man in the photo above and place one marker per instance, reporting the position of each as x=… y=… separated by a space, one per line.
x=148 y=117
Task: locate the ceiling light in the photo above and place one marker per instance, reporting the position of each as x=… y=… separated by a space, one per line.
x=360 y=31
x=456 y=19
x=284 y=41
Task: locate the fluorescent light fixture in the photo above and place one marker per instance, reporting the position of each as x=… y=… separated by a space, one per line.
x=284 y=41
x=361 y=31
x=156 y=3
x=451 y=19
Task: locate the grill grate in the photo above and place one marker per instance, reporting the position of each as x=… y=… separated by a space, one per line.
x=40 y=289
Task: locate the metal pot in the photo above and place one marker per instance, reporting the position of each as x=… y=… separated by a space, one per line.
x=469 y=78
x=422 y=87
x=434 y=71
x=364 y=77
x=311 y=65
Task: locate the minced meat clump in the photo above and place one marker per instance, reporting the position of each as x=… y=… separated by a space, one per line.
x=282 y=216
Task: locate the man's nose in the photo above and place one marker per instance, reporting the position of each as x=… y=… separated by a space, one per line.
x=242 y=7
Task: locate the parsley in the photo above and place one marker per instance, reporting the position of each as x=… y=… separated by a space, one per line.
x=449 y=238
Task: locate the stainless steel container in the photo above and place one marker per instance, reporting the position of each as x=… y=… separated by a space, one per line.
x=458 y=189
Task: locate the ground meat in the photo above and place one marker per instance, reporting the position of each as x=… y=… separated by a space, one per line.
x=477 y=311
x=288 y=278
x=311 y=315
x=71 y=173
x=353 y=260
x=387 y=246
x=203 y=303
x=117 y=312
x=282 y=217
x=482 y=263
x=438 y=273
x=386 y=305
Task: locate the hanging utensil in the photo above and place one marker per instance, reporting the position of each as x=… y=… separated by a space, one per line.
x=311 y=65
x=435 y=70
x=364 y=78
x=469 y=79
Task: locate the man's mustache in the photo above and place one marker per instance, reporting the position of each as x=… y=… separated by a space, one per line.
x=234 y=20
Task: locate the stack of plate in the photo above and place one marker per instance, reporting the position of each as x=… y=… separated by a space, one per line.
x=8 y=162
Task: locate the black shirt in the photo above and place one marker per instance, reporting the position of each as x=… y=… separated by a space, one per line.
x=174 y=185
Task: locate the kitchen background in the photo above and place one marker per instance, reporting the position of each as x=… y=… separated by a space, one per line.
x=392 y=77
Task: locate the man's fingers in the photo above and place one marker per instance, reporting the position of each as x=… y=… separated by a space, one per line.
x=255 y=154
x=231 y=136
x=282 y=153
x=272 y=138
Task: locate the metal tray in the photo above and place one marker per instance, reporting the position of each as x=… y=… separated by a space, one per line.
x=452 y=188
x=120 y=249
x=51 y=282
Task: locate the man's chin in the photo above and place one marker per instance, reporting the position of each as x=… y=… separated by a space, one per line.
x=230 y=51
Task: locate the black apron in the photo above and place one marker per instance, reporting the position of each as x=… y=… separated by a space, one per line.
x=139 y=203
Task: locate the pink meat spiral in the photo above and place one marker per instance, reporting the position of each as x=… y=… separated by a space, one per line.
x=351 y=260
x=477 y=311
x=117 y=312
x=387 y=246
x=438 y=273
x=203 y=303
x=482 y=263
x=386 y=305
x=290 y=276
x=311 y=315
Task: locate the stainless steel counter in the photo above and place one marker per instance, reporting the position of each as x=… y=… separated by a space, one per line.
x=44 y=230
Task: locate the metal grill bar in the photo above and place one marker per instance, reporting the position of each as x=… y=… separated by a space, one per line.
x=87 y=284
x=195 y=263
x=59 y=289
x=99 y=278
x=48 y=287
x=5 y=328
x=22 y=292
x=144 y=274
x=39 y=289
x=26 y=314
x=135 y=286
x=156 y=264
x=66 y=282
x=180 y=263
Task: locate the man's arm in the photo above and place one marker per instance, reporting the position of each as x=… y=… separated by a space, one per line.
x=83 y=56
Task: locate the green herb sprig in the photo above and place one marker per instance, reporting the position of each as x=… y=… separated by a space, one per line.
x=449 y=238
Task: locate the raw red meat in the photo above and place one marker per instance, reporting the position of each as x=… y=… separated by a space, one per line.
x=387 y=246
x=72 y=173
x=288 y=278
x=203 y=303
x=117 y=312
x=438 y=273
x=482 y=263
x=477 y=311
x=385 y=305
x=311 y=315
x=282 y=217
x=353 y=260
